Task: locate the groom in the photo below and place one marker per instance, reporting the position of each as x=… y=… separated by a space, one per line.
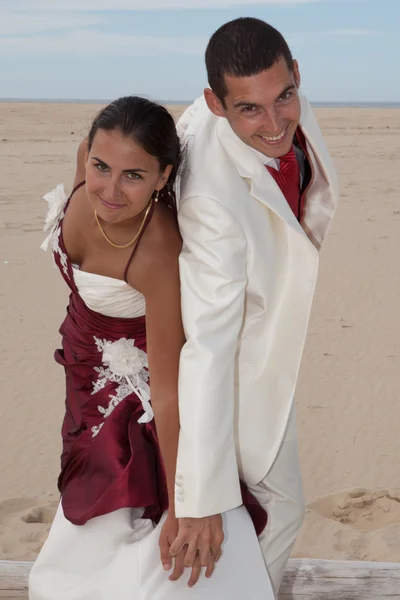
x=257 y=196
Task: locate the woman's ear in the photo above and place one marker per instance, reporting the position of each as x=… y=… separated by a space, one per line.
x=81 y=161
x=165 y=177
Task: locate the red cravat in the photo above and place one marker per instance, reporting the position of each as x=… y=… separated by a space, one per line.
x=288 y=179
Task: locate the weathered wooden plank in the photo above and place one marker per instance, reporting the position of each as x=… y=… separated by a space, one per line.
x=344 y=580
x=14 y=579
x=305 y=579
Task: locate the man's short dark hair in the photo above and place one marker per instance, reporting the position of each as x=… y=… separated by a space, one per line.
x=243 y=48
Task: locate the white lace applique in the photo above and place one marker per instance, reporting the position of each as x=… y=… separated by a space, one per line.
x=57 y=250
x=56 y=200
x=125 y=364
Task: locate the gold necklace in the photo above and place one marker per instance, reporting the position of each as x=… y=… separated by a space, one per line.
x=121 y=247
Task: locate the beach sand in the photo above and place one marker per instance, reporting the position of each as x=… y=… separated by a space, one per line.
x=348 y=392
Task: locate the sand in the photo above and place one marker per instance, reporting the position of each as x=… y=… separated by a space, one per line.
x=348 y=391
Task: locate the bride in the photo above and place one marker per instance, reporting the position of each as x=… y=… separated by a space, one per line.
x=116 y=243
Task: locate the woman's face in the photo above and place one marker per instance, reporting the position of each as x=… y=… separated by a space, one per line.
x=121 y=177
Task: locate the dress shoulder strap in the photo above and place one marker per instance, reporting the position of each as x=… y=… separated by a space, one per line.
x=148 y=219
x=76 y=188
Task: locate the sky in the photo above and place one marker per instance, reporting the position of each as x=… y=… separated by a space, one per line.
x=348 y=50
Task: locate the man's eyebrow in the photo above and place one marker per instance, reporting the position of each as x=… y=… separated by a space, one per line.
x=287 y=89
x=244 y=103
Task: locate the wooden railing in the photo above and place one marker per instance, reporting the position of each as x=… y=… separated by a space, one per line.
x=305 y=579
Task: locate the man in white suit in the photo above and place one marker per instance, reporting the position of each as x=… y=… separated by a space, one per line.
x=257 y=196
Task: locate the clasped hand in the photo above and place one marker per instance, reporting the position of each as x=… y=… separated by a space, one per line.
x=192 y=544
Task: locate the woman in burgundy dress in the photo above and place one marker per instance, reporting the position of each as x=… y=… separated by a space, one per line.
x=116 y=243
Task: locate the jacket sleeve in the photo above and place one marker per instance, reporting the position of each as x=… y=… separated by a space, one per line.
x=213 y=281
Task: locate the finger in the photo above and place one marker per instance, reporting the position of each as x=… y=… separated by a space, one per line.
x=191 y=554
x=177 y=545
x=179 y=567
x=217 y=555
x=216 y=552
x=216 y=547
x=205 y=554
x=218 y=540
x=195 y=574
x=210 y=568
x=205 y=549
x=165 y=556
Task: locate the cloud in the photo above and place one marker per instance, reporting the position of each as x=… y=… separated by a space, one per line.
x=89 y=43
x=131 y=5
x=350 y=32
x=71 y=36
x=13 y=23
x=312 y=36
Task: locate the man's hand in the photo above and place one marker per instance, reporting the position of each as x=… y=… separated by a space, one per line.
x=200 y=540
x=168 y=535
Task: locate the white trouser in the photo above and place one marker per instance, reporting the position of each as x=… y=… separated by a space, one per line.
x=281 y=493
x=115 y=556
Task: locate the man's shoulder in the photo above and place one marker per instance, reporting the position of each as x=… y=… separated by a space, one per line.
x=206 y=168
x=194 y=118
x=208 y=172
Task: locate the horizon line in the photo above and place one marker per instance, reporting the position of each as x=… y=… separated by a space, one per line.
x=394 y=103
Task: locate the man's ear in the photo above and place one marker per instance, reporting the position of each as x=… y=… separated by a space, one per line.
x=214 y=103
x=296 y=73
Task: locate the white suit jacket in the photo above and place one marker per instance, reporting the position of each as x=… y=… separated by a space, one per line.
x=248 y=272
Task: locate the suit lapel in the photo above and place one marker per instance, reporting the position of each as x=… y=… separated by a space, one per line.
x=261 y=183
x=317 y=149
x=323 y=198
x=265 y=189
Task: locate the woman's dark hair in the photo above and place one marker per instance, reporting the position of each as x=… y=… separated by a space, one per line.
x=243 y=48
x=151 y=126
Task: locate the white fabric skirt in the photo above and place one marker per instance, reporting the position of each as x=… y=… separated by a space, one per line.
x=117 y=556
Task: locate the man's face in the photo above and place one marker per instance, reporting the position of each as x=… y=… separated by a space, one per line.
x=263 y=110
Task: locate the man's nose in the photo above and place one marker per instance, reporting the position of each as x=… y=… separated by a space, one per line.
x=272 y=122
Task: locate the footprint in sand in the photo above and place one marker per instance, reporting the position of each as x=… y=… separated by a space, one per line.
x=39 y=514
x=38 y=522
x=363 y=509
x=24 y=526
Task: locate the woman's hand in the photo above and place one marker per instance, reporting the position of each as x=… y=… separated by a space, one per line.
x=188 y=534
x=168 y=535
x=200 y=540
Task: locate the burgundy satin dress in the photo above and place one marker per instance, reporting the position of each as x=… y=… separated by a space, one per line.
x=109 y=459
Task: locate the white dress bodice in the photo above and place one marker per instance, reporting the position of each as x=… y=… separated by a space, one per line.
x=108 y=296
x=105 y=295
